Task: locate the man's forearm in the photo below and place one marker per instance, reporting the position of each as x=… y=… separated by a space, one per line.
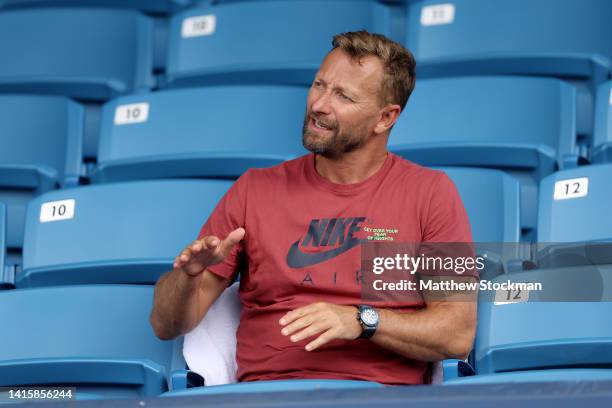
x=175 y=309
x=431 y=334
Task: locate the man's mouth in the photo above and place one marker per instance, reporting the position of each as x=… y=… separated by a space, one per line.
x=319 y=124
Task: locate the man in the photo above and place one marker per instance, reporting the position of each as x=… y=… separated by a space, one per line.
x=295 y=230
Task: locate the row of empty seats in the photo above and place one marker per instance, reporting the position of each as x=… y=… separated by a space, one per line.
x=97 y=53
x=524 y=125
x=130 y=232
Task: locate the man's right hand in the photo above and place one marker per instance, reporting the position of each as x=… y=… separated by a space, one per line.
x=205 y=252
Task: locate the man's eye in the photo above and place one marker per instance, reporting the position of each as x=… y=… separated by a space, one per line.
x=344 y=97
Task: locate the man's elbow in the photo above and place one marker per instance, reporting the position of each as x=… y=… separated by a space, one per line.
x=461 y=343
x=161 y=330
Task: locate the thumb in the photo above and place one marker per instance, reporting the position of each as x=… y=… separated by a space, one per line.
x=232 y=239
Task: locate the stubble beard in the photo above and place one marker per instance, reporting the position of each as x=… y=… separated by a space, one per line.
x=341 y=141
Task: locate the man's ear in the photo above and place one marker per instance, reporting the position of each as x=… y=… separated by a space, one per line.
x=388 y=116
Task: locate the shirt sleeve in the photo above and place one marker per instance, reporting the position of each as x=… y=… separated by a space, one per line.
x=446 y=219
x=447 y=229
x=229 y=214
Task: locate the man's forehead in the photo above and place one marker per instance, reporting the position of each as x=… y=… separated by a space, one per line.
x=352 y=73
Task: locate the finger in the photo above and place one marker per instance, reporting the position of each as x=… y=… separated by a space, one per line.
x=185 y=256
x=232 y=239
x=298 y=324
x=197 y=246
x=297 y=313
x=310 y=331
x=210 y=242
x=324 y=338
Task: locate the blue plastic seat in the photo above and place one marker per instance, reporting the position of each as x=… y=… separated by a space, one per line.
x=562 y=326
x=115 y=233
x=549 y=37
x=525 y=126
x=602 y=151
x=86 y=53
x=97 y=338
x=208 y=45
x=565 y=325
x=156 y=6
x=503 y=122
x=492 y=201
x=41 y=150
x=204 y=132
x=584 y=213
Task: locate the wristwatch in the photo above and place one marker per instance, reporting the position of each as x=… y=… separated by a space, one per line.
x=368 y=318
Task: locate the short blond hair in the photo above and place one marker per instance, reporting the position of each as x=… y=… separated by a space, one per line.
x=399 y=65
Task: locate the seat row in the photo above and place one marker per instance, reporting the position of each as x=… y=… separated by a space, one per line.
x=526 y=126
x=207 y=45
x=130 y=232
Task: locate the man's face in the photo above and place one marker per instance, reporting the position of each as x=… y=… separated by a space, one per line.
x=342 y=108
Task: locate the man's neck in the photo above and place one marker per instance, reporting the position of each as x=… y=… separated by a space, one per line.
x=351 y=167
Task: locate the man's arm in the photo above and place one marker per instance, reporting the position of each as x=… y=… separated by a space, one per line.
x=184 y=295
x=441 y=330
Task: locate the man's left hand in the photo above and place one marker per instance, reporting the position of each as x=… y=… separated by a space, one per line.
x=327 y=320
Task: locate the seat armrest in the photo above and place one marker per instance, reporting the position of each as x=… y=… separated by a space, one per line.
x=453 y=369
x=183 y=379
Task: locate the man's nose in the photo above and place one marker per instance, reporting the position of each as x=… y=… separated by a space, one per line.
x=321 y=104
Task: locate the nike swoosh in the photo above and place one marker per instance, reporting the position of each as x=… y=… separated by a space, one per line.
x=299 y=259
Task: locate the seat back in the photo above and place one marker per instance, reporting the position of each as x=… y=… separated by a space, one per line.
x=196 y=133
x=115 y=233
x=575 y=205
x=492 y=201
x=41 y=138
x=97 y=338
x=156 y=6
x=66 y=56
x=503 y=122
x=462 y=37
x=602 y=136
x=208 y=45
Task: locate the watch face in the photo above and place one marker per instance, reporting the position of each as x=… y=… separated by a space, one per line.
x=369 y=317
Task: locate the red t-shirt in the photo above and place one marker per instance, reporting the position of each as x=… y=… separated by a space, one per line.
x=299 y=248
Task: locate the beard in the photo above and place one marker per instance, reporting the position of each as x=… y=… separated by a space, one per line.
x=343 y=139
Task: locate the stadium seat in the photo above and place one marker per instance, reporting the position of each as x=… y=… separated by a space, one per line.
x=154 y=6
x=561 y=326
x=264 y=41
x=204 y=132
x=41 y=150
x=86 y=53
x=492 y=201
x=113 y=233
x=97 y=338
x=602 y=151
x=526 y=126
x=503 y=122
x=476 y=37
x=575 y=205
